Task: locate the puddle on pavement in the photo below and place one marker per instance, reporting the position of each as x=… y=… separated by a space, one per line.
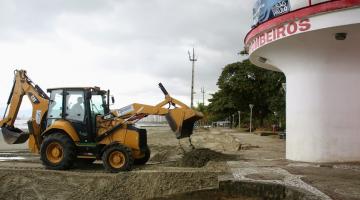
x=10 y=158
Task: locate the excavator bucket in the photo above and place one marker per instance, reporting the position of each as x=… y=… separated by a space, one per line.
x=182 y=121
x=14 y=135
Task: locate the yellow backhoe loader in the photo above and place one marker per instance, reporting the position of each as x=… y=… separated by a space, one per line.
x=76 y=125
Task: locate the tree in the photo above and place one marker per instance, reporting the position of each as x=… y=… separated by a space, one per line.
x=204 y=110
x=241 y=84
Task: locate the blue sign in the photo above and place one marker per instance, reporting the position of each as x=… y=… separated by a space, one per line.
x=268 y=9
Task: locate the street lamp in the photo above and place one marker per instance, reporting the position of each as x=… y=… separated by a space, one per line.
x=276 y=119
x=251 y=107
x=239 y=118
x=233 y=121
x=284 y=86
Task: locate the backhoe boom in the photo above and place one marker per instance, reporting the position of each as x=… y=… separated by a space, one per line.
x=39 y=101
x=181 y=118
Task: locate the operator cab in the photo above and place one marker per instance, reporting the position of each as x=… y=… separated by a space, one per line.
x=79 y=106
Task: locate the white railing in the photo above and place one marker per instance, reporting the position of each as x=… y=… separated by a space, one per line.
x=297 y=4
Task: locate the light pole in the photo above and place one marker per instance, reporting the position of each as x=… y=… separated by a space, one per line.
x=229 y=120
x=203 y=95
x=276 y=119
x=192 y=59
x=233 y=121
x=251 y=107
x=239 y=118
x=284 y=86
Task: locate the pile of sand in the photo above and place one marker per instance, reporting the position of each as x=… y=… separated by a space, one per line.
x=200 y=157
x=149 y=185
x=42 y=184
x=158 y=178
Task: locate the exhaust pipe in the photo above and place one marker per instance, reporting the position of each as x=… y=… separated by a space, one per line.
x=14 y=135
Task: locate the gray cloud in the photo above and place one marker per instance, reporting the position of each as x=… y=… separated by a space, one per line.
x=117 y=42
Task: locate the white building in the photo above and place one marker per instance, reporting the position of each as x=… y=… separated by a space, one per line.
x=317 y=45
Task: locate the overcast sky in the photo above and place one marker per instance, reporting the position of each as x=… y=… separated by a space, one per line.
x=127 y=46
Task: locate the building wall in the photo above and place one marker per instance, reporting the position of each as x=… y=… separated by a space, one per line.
x=322 y=74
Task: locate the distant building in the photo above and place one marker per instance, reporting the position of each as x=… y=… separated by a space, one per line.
x=223 y=124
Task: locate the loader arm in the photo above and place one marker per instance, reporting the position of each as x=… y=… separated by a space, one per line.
x=179 y=116
x=39 y=100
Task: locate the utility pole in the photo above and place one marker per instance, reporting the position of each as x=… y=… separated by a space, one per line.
x=203 y=95
x=239 y=112
x=192 y=59
x=251 y=108
x=233 y=121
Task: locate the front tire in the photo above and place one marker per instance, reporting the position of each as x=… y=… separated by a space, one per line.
x=57 y=152
x=117 y=158
x=143 y=160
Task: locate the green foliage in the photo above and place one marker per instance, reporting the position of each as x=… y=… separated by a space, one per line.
x=204 y=109
x=241 y=84
x=201 y=108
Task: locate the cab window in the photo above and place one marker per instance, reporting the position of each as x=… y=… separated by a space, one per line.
x=97 y=104
x=55 y=105
x=75 y=108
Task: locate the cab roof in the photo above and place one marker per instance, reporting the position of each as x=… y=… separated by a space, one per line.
x=92 y=89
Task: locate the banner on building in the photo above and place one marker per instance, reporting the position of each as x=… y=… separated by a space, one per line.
x=265 y=10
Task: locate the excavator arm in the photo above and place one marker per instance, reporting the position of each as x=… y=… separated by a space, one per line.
x=39 y=100
x=180 y=117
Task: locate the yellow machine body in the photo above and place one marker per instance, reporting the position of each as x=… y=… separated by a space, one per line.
x=97 y=135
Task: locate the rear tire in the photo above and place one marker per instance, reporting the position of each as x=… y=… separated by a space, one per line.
x=143 y=160
x=57 y=152
x=117 y=158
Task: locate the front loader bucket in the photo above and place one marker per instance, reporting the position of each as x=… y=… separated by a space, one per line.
x=182 y=121
x=14 y=135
